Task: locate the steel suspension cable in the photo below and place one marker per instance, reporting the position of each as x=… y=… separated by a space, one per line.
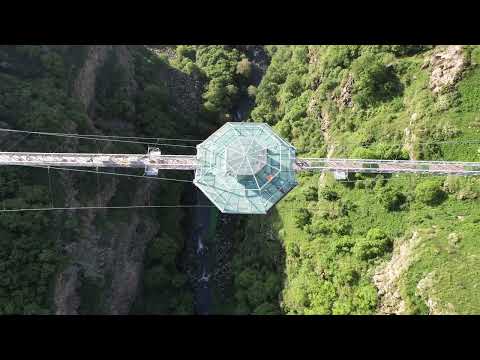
x=113 y=136
x=106 y=207
x=103 y=172
x=93 y=137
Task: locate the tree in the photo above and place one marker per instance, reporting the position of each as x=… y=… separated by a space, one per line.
x=365 y=153
x=390 y=151
x=391 y=198
x=375 y=244
x=329 y=194
x=252 y=91
x=319 y=227
x=246 y=278
x=256 y=293
x=292 y=88
x=342 y=228
x=311 y=193
x=406 y=50
x=219 y=63
x=244 y=68
x=342 y=307
x=266 y=309
x=191 y=68
x=342 y=245
x=302 y=218
x=373 y=81
x=430 y=192
x=296 y=297
x=365 y=299
x=186 y=51
x=156 y=278
x=322 y=296
x=231 y=90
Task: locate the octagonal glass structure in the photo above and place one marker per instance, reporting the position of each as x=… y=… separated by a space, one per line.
x=245 y=168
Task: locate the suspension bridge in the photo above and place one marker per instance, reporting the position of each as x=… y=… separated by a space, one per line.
x=242 y=167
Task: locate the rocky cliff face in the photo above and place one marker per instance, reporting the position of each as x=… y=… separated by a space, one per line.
x=185 y=90
x=447 y=65
x=84 y=84
x=387 y=276
x=104 y=250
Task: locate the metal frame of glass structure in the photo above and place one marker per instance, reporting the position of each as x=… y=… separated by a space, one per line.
x=245 y=168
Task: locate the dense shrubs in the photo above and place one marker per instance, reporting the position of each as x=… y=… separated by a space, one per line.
x=430 y=192
x=329 y=194
x=186 y=51
x=330 y=259
x=219 y=64
x=365 y=299
x=244 y=68
x=343 y=245
x=302 y=217
x=381 y=151
x=280 y=94
x=252 y=91
x=375 y=244
x=406 y=50
x=256 y=290
x=257 y=270
x=29 y=254
x=33 y=96
x=391 y=198
x=311 y=193
x=373 y=81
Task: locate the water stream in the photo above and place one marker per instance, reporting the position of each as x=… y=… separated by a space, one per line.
x=202 y=216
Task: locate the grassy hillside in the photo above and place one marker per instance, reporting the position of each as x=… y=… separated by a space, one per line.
x=338 y=238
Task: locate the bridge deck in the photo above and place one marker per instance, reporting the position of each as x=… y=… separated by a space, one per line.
x=180 y=162
x=389 y=166
x=189 y=162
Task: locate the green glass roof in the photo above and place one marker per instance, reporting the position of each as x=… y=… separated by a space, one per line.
x=245 y=168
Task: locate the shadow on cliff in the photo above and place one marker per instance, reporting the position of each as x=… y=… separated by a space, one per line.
x=256 y=265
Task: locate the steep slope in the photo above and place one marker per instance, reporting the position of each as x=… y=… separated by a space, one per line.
x=383 y=102
x=106 y=261
x=92 y=261
x=373 y=244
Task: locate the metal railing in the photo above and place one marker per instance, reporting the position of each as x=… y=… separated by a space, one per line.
x=388 y=166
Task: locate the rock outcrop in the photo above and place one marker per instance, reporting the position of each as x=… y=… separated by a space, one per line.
x=84 y=84
x=425 y=289
x=185 y=92
x=447 y=65
x=345 y=98
x=387 y=276
x=97 y=55
x=126 y=249
x=112 y=259
x=410 y=137
x=66 y=297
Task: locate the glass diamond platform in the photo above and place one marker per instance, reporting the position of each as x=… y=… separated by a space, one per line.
x=245 y=168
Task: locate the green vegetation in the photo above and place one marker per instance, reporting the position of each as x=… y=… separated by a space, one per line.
x=429 y=192
x=33 y=95
x=257 y=265
x=335 y=236
x=36 y=85
x=373 y=80
x=319 y=249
